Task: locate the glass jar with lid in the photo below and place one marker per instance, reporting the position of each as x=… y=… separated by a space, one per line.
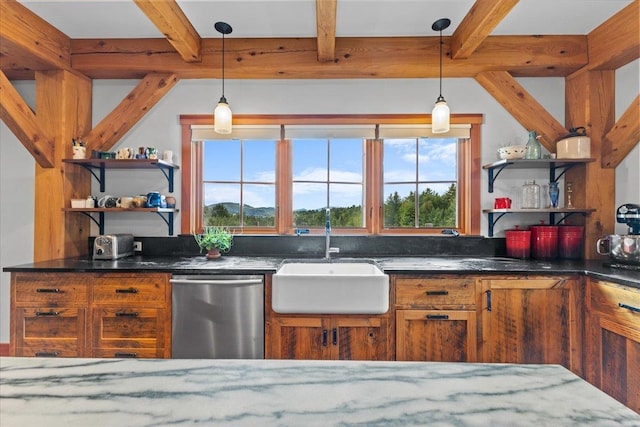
x=530 y=195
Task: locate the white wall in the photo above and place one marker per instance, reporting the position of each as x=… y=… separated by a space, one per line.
x=160 y=128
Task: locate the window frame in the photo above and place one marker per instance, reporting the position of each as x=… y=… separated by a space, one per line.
x=469 y=169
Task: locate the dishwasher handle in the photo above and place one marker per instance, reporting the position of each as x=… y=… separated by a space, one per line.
x=217 y=281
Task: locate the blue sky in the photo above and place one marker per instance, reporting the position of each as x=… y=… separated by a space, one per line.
x=437 y=159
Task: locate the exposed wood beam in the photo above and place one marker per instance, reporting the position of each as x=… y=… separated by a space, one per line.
x=623 y=137
x=28 y=41
x=22 y=121
x=356 y=57
x=326 y=29
x=616 y=42
x=522 y=106
x=132 y=108
x=167 y=16
x=478 y=23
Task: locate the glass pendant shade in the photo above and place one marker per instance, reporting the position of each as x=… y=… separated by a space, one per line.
x=440 y=116
x=222 y=117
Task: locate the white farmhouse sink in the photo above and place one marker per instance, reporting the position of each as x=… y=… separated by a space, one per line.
x=336 y=287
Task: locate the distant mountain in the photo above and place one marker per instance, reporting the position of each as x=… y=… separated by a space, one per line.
x=234 y=209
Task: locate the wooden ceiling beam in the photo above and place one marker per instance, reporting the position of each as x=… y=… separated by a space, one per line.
x=167 y=16
x=623 y=137
x=522 y=106
x=326 y=29
x=477 y=24
x=132 y=108
x=24 y=124
x=28 y=41
x=616 y=42
x=356 y=57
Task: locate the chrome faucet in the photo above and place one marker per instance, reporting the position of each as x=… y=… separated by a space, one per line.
x=328 y=250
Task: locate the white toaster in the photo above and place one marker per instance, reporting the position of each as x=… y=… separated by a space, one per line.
x=112 y=246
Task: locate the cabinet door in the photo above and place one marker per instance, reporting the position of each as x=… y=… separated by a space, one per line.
x=50 y=332
x=357 y=338
x=436 y=335
x=613 y=341
x=299 y=338
x=533 y=320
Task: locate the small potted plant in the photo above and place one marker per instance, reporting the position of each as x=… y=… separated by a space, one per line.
x=215 y=240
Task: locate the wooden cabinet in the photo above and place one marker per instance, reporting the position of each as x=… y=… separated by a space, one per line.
x=91 y=315
x=328 y=337
x=532 y=320
x=325 y=337
x=129 y=316
x=436 y=318
x=613 y=341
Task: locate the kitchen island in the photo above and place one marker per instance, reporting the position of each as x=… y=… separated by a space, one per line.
x=128 y=392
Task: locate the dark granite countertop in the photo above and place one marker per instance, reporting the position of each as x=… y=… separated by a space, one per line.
x=395 y=265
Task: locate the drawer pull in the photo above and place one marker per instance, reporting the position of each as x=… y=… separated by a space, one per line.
x=47 y=313
x=47 y=354
x=48 y=291
x=334 y=335
x=324 y=337
x=128 y=355
x=127 y=291
x=629 y=307
x=124 y=314
x=433 y=293
x=437 y=317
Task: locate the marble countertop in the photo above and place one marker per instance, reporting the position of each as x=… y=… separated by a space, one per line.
x=400 y=265
x=129 y=392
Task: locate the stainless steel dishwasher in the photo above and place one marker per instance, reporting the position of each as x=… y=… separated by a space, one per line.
x=217 y=317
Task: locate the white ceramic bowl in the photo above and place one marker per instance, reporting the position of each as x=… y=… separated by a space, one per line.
x=511 y=152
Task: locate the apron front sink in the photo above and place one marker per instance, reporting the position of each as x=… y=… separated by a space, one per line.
x=336 y=287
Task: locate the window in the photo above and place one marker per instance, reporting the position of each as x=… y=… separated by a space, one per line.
x=238 y=185
x=376 y=178
x=420 y=182
x=328 y=173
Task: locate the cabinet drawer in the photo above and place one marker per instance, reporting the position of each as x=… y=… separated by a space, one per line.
x=49 y=331
x=125 y=290
x=69 y=290
x=615 y=302
x=135 y=353
x=448 y=293
x=130 y=328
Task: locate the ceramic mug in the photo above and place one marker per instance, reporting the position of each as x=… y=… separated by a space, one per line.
x=502 y=203
x=79 y=152
x=152 y=153
x=126 y=202
x=167 y=156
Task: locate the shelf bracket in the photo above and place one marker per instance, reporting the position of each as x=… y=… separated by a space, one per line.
x=99 y=177
x=492 y=176
x=565 y=168
x=168 y=220
x=168 y=173
x=99 y=222
x=552 y=216
x=493 y=222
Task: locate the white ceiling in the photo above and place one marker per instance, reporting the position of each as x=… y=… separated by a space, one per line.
x=296 y=18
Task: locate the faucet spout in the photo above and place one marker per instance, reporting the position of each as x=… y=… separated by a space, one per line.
x=328 y=250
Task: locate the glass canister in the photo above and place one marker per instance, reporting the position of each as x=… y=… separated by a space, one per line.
x=530 y=195
x=533 y=149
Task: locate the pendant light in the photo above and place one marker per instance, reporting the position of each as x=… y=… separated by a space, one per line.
x=222 y=114
x=440 y=113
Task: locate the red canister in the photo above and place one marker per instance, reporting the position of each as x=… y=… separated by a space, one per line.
x=544 y=241
x=570 y=241
x=518 y=243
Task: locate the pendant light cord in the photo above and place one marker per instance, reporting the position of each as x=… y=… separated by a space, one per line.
x=440 y=66
x=223 y=66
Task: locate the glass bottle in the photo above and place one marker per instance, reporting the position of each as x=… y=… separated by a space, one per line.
x=533 y=149
x=530 y=195
x=554 y=192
